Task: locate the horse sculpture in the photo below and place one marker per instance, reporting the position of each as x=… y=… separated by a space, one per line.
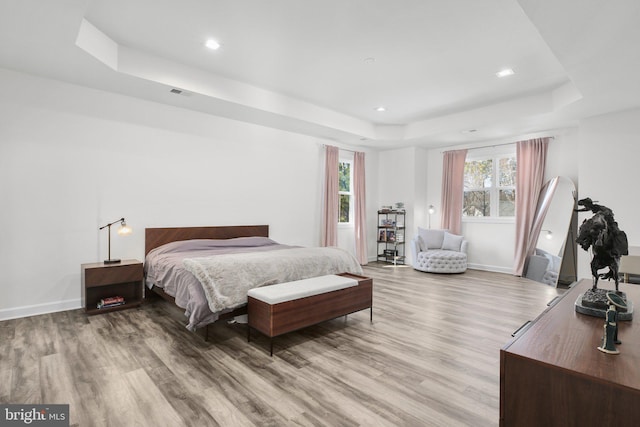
x=606 y=240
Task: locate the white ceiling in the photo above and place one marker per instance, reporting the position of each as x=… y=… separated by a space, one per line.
x=303 y=65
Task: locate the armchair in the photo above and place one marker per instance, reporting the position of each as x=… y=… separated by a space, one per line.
x=438 y=251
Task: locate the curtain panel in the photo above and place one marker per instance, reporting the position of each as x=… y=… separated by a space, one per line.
x=331 y=198
x=452 y=190
x=531 y=157
x=360 y=208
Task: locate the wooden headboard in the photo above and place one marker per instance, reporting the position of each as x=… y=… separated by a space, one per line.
x=154 y=237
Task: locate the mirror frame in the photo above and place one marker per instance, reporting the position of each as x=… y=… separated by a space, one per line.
x=561 y=228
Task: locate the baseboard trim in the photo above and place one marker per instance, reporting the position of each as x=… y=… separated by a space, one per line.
x=493 y=268
x=38 y=309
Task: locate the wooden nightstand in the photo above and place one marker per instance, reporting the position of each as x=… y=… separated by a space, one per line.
x=100 y=280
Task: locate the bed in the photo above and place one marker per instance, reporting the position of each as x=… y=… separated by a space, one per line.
x=207 y=270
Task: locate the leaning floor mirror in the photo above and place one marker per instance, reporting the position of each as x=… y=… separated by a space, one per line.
x=552 y=246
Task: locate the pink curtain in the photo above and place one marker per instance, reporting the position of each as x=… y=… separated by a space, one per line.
x=331 y=198
x=531 y=157
x=360 y=208
x=452 y=190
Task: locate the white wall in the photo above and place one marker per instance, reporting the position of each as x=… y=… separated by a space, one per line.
x=420 y=216
x=402 y=178
x=609 y=152
x=73 y=159
x=491 y=244
x=562 y=158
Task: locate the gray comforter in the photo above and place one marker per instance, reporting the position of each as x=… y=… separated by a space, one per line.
x=171 y=267
x=227 y=278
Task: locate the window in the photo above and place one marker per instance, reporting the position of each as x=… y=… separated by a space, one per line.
x=490 y=187
x=345 y=190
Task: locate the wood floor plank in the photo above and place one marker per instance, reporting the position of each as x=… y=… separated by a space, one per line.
x=148 y=405
x=26 y=351
x=223 y=410
x=7 y=336
x=392 y=399
x=59 y=385
x=430 y=357
x=120 y=401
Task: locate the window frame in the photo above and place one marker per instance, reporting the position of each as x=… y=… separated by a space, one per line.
x=494 y=154
x=346 y=193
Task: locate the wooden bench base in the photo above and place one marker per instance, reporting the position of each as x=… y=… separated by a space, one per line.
x=277 y=319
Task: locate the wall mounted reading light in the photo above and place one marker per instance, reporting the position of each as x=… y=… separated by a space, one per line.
x=431 y=211
x=124 y=230
x=548 y=235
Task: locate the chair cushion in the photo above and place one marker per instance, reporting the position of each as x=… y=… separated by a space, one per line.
x=274 y=294
x=451 y=242
x=432 y=238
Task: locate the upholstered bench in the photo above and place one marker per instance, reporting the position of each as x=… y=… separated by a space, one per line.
x=277 y=309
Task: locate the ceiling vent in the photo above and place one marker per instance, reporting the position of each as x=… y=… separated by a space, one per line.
x=176 y=91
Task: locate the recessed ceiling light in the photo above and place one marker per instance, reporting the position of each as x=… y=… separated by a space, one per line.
x=506 y=72
x=212 y=44
x=381 y=109
x=369 y=60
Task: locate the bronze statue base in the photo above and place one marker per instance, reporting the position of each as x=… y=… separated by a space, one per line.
x=597 y=298
x=590 y=303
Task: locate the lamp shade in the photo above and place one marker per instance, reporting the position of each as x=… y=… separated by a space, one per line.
x=124 y=229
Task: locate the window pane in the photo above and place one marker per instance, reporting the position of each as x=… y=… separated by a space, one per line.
x=344 y=207
x=477 y=203
x=507 y=204
x=478 y=174
x=507 y=172
x=344 y=176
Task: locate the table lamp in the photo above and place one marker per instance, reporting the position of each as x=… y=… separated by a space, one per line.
x=124 y=230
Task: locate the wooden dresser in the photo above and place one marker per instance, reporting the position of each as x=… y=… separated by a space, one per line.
x=552 y=374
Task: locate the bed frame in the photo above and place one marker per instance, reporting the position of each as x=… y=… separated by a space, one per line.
x=155 y=237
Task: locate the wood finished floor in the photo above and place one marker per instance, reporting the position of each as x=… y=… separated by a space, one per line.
x=430 y=358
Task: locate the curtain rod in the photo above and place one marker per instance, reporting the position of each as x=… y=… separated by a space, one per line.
x=495 y=145
x=350 y=151
x=343 y=149
x=492 y=146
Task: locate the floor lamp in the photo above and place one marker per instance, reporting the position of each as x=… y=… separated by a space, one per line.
x=431 y=211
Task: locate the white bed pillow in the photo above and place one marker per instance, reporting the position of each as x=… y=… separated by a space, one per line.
x=452 y=242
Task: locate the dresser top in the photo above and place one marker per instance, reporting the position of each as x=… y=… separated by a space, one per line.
x=563 y=338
